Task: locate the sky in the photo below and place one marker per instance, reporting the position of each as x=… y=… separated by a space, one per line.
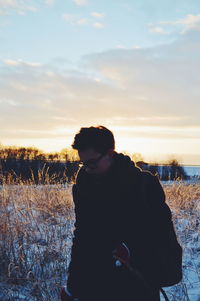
x=132 y=66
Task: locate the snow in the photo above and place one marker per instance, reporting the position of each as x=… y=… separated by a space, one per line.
x=188 y=230
x=35 y=253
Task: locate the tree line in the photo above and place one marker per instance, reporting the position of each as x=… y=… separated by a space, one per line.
x=29 y=164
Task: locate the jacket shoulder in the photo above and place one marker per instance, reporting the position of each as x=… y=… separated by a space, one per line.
x=149 y=179
x=152 y=188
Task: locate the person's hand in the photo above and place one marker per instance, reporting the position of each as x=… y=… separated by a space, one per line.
x=122 y=254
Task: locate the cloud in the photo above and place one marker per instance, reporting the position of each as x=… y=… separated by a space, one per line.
x=152 y=92
x=97 y=15
x=120 y=46
x=80 y=2
x=11 y=62
x=157 y=29
x=70 y=18
x=20 y=7
x=136 y=47
x=50 y=2
x=75 y=19
x=20 y=62
x=98 y=25
x=189 y=20
x=82 y=21
x=187 y=23
x=165 y=76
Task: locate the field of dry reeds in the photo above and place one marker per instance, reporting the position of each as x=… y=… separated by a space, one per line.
x=36 y=230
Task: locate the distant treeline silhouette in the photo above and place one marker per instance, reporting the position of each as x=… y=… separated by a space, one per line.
x=169 y=171
x=32 y=165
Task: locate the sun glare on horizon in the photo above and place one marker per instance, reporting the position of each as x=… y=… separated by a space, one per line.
x=128 y=139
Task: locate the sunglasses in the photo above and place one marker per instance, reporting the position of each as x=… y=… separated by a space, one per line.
x=92 y=163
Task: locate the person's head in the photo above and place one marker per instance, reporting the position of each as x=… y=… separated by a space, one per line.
x=95 y=146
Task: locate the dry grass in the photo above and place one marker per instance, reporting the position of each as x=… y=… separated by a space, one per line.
x=181 y=196
x=35 y=240
x=184 y=201
x=36 y=229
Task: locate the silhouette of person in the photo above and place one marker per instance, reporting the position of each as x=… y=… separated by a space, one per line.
x=115 y=208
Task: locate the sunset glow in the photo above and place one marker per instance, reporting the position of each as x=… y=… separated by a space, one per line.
x=133 y=67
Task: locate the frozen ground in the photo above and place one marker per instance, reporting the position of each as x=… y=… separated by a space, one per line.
x=36 y=237
x=188 y=231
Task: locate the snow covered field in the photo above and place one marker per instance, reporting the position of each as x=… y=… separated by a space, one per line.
x=184 y=201
x=36 y=236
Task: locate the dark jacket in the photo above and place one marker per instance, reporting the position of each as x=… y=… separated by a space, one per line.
x=125 y=205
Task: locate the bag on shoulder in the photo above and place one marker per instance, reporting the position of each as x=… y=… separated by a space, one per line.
x=168 y=255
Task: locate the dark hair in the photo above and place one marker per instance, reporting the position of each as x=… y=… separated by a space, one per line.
x=99 y=138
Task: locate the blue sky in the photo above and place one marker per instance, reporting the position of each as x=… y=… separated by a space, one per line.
x=129 y=65
x=45 y=30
